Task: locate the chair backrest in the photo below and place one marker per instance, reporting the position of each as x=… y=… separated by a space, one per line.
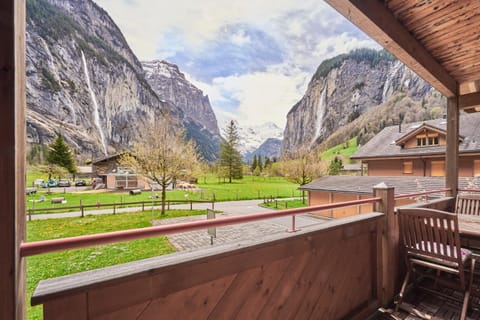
x=428 y=233
x=468 y=204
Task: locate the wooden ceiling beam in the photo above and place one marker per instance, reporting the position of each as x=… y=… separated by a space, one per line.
x=379 y=23
x=469 y=101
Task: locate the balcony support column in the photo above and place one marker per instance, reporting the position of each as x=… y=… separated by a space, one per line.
x=12 y=158
x=451 y=167
x=390 y=239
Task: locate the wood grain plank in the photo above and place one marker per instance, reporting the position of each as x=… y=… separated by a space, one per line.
x=68 y=307
x=119 y=296
x=192 y=303
x=287 y=286
x=127 y=313
x=232 y=301
x=352 y=287
x=254 y=302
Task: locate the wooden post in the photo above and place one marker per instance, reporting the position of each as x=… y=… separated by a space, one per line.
x=191 y=205
x=12 y=158
x=81 y=208
x=451 y=165
x=390 y=240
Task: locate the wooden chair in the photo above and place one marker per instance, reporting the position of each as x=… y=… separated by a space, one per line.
x=468 y=204
x=431 y=241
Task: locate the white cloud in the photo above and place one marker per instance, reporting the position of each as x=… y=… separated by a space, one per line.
x=240 y=38
x=307 y=32
x=262 y=96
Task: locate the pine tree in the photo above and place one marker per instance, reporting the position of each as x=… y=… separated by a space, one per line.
x=254 y=163
x=266 y=162
x=260 y=164
x=61 y=155
x=335 y=166
x=230 y=158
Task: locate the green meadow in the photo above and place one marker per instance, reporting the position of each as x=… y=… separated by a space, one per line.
x=61 y=263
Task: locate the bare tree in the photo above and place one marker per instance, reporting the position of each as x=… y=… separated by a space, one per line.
x=302 y=166
x=162 y=155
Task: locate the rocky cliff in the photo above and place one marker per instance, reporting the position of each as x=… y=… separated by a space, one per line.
x=171 y=86
x=84 y=81
x=342 y=89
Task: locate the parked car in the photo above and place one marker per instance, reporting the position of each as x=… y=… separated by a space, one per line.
x=38 y=182
x=51 y=183
x=63 y=183
x=80 y=183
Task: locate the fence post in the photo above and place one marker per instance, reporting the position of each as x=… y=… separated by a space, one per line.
x=81 y=208
x=390 y=243
x=168 y=205
x=143 y=205
x=213 y=205
x=114 y=208
x=191 y=205
x=276 y=204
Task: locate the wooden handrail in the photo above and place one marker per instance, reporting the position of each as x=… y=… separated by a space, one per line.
x=409 y=195
x=39 y=247
x=468 y=190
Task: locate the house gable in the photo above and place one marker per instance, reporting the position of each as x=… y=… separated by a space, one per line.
x=423 y=136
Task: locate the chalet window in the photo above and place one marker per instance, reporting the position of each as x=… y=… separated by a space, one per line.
x=427 y=140
x=437 y=168
x=408 y=167
x=476 y=168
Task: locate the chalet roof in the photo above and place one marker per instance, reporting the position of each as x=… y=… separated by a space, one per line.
x=383 y=145
x=402 y=184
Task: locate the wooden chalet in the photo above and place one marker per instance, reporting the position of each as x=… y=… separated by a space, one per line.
x=418 y=149
x=345 y=268
x=115 y=176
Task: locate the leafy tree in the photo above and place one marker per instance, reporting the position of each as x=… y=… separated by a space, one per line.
x=230 y=158
x=60 y=154
x=302 y=166
x=335 y=166
x=162 y=155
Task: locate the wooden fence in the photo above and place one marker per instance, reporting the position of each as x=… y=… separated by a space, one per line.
x=115 y=206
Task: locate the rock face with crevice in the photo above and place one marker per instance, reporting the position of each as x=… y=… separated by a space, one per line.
x=84 y=81
x=342 y=89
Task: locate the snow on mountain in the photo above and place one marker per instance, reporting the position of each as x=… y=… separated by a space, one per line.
x=251 y=137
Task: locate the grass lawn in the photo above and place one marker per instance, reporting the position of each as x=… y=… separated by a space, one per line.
x=344 y=149
x=67 y=262
x=250 y=187
x=286 y=204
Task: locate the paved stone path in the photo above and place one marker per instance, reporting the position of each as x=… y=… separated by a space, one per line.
x=238 y=232
x=200 y=238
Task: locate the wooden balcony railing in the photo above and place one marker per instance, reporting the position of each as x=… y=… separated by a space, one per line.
x=339 y=269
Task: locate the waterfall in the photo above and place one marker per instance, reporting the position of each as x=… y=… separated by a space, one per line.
x=388 y=81
x=321 y=108
x=96 y=114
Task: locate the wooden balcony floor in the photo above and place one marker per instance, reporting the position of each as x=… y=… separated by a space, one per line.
x=435 y=306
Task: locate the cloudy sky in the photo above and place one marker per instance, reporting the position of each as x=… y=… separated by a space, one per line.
x=253 y=58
